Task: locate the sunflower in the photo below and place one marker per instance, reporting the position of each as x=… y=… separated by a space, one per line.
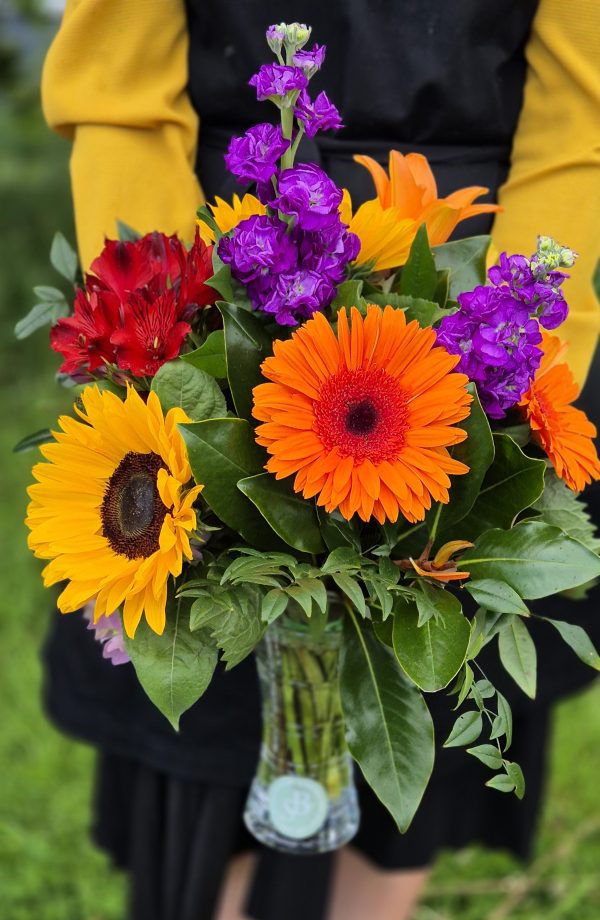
x=363 y=420
x=406 y=198
x=227 y=216
x=562 y=431
x=109 y=509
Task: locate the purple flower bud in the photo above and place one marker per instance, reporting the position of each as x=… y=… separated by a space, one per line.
x=276 y=37
x=253 y=156
x=307 y=193
x=320 y=115
x=275 y=81
x=258 y=246
x=310 y=61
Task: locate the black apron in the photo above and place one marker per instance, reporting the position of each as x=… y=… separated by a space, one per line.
x=445 y=80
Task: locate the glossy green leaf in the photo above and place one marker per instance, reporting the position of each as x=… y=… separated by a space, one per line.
x=534 y=559
x=337 y=531
x=350 y=587
x=512 y=483
x=221 y=281
x=210 y=356
x=221 y=452
x=434 y=601
x=477 y=452
x=442 y=289
x=432 y=654
x=419 y=275
x=247 y=344
x=496 y=596
x=465 y=730
x=196 y=392
x=518 y=655
x=465 y=261
x=348 y=295
x=63 y=257
x=388 y=726
x=577 y=639
x=34 y=440
x=292 y=517
x=175 y=668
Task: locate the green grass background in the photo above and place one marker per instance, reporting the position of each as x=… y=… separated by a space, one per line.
x=48 y=868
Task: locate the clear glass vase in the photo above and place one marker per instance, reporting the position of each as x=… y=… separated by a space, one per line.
x=302 y=798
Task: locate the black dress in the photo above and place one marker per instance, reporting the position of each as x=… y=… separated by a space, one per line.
x=445 y=80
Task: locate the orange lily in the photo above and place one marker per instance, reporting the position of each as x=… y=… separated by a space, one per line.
x=406 y=198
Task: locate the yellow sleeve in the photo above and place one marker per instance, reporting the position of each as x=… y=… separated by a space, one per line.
x=115 y=83
x=553 y=186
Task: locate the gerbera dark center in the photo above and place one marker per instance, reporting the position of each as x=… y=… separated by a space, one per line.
x=132 y=510
x=362 y=413
x=362 y=418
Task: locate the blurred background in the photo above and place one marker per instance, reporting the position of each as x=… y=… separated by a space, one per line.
x=48 y=868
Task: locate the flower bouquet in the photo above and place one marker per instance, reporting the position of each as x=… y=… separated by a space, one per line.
x=322 y=434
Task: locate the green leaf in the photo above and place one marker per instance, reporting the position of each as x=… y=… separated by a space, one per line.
x=389 y=728
x=341 y=559
x=465 y=261
x=577 y=639
x=432 y=654
x=49 y=294
x=206 y=216
x=348 y=295
x=221 y=452
x=515 y=774
x=512 y=483
x=465 y=730
x=433 y=601
x=247 y=344
x=501 y=782
x=292 y=517
x=63 y=257
x=442 y=289
x=488 y=754
x=518 y=655
x=506 y=719
x=273 y=605
x=235 y=623
x=221 y=281
x=210 y=356
x=199 y=395
x=419 y=275
x=42 y=314
x=477 y=452
x=496 y=596
x=535 y=559
x=127 y=234
x=465 y=682
x=44 y=436
x=174 y=669
x=337 y=531
x=350 y=587
x=560 y=506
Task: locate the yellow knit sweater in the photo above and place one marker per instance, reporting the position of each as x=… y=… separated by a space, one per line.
x=115 y=83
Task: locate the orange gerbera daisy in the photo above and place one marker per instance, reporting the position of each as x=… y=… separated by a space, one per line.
x=562 y=431
x=406 y=198
x=363 y=420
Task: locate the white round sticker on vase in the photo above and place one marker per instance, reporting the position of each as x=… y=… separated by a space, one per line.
x=297 y=806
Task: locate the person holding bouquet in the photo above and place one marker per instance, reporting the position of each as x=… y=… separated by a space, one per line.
x=151 y=93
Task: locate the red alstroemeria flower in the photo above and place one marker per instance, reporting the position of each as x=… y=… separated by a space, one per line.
x=84 y=338
x=121 y=267
x=193 y=291
x=151 y=333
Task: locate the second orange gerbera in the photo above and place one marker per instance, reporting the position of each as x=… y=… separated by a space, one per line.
x=562 y=431
x=363 y=420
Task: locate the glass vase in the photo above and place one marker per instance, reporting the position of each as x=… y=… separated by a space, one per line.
x=302 y=798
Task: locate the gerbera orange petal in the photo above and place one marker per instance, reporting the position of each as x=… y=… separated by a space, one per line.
x=355 y=446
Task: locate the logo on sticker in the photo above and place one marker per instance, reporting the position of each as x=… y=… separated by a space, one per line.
x=297 y=806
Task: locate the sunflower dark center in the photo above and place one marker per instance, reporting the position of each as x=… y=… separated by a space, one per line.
x=362 y=418
x=132 y=510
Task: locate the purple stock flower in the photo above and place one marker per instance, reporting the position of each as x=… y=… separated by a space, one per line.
x=108 y=630
x=320 y=115
x=297 y=295
x=277 y=80
x=310 y=61
x=275 y=37
x=308 y=194
x=257 y=246
x=497 y=341
x=253 y=156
